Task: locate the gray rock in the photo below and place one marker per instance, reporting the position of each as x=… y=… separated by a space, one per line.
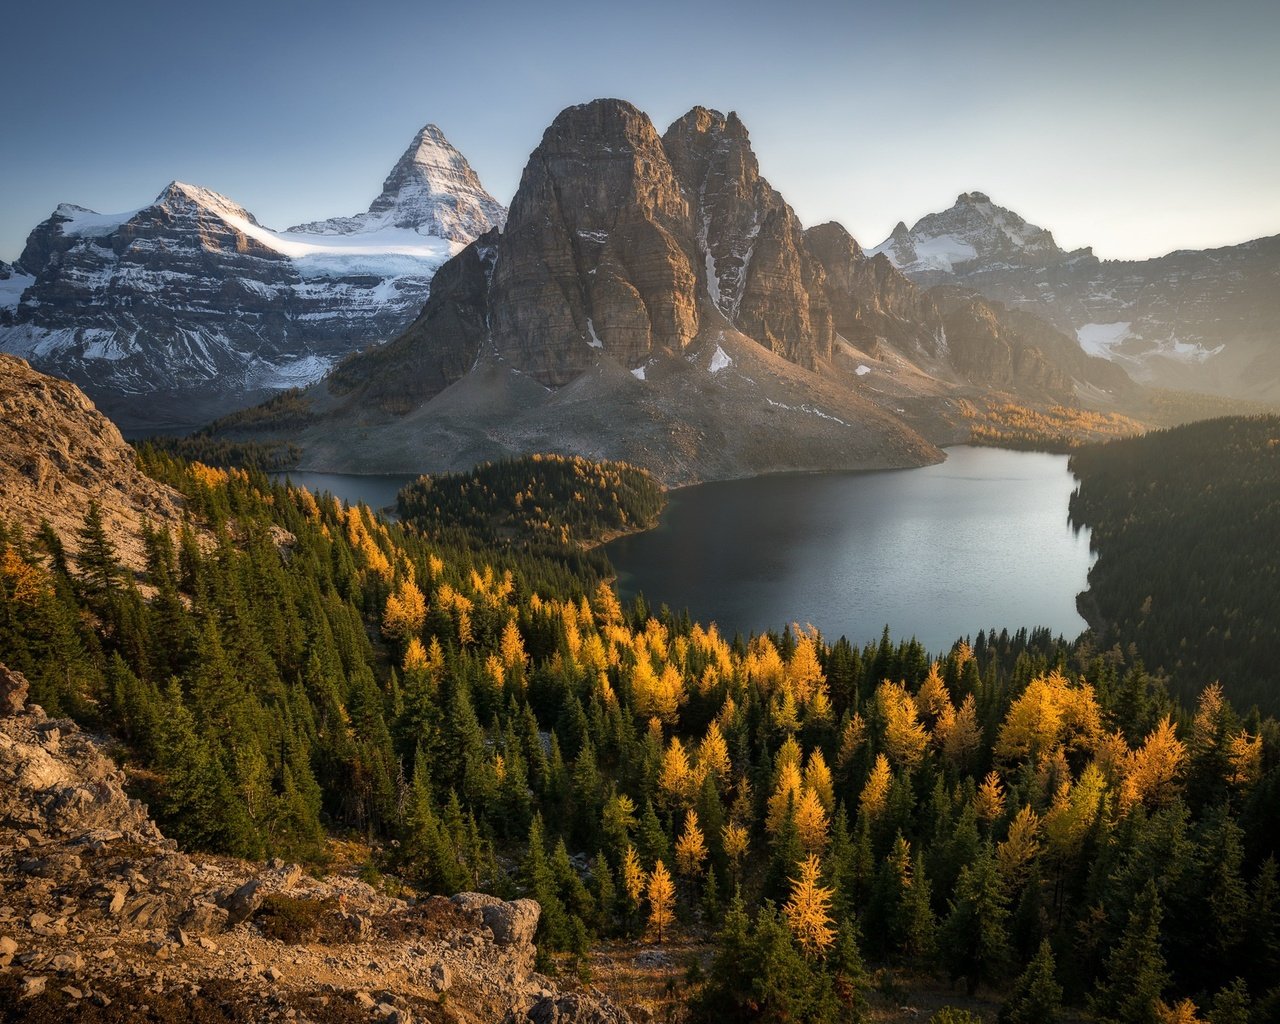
x=570 y=1008
x=512 y=924
x=13 y=692
x=242 y=903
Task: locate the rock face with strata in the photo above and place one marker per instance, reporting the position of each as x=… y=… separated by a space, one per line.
x=58 y=453
x=870 y=300
x=596 y=252
x=758 y=272
x=100 y=909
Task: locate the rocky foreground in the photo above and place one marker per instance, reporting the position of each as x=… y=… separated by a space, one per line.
x=103 y=919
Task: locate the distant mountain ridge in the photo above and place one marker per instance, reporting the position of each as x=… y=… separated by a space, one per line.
x=189 y=307
x=1201 y=320
x=653 y=299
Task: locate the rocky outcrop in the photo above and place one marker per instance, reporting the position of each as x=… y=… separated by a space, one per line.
x=596 y=255
x=439 y=347
x=102 y=913
x=758 y=272
x=985 y=349
x=58 y=453
x=189 y=307
x=870 y=300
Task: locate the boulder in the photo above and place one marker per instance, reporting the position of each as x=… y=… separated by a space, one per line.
x=512 y=924
x=569 y=1008
x=13 y=692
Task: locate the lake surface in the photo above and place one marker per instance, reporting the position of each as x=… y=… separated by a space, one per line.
x=941 y=552
x=377 y=492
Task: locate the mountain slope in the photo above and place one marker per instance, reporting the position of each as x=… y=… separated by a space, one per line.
x=58 y=453
x=188 y=307
x=1200 y=320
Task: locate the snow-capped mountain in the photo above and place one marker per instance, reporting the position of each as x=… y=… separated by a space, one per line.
x=1201 y=320
x=189 y=307
x=973 y=233
x=432 y=190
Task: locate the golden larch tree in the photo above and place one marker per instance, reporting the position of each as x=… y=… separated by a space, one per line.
x=989 y=800
x=808 y=912
x=874 y=797
x=811 y=822
x=633 y=877
x=905 y=738
x=691 y=847
x=662 y=899
x=817 y=777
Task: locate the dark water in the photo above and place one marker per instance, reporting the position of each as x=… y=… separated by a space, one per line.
x=981 y=540
x=377 y=492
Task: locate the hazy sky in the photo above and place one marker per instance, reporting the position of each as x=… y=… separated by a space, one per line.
x=1134 y=126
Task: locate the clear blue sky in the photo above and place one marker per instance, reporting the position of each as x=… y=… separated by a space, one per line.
x=1132 y=125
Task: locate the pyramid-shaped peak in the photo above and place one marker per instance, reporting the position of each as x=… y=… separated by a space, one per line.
x=431 y=190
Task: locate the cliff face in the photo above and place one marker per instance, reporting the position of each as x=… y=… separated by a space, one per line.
x=103 y=914
x=596 y=253
x=58 y=453
x=758 y=273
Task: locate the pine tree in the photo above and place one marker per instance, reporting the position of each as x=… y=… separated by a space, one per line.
x=1036 y=997
x=973 y=940
x=1135 y=974
x=100 y=570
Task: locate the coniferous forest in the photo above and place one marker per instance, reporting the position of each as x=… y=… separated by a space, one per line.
x=1185 y=522
x=1035 y=820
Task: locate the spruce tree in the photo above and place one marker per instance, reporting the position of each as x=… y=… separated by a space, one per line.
x=1036 y=997
x=1135 y=975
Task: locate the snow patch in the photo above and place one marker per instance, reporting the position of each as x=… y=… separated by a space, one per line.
x=862 y=370
x=943 y=253
x=11 y=289
x=1101 y=339
x=298 y=373
x=595 y=341
x=638 y=373
x=719 y=360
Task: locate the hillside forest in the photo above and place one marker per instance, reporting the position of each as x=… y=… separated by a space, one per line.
x=1037 y=820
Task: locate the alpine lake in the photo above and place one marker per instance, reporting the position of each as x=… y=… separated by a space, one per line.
x=980 y=541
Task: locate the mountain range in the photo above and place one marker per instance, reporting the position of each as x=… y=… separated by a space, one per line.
x=648 y=297
x=187 y=308
x=1199 y=320
x=653 y=298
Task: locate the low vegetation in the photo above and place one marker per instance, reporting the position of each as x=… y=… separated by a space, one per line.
x=1056 y=429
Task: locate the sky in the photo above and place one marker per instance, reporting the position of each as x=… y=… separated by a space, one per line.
x=1137 y=127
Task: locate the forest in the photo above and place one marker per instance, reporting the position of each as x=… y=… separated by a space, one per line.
x=1039 y=821
x=1185 y=523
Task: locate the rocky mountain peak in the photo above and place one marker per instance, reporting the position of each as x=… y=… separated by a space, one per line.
x=182 y=198
x=431 y=190
x=596 y=251
x=973 y=235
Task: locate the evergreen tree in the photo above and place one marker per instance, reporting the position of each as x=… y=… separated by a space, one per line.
x=973 y=940
x=1036 y=997
x=1135 y=973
